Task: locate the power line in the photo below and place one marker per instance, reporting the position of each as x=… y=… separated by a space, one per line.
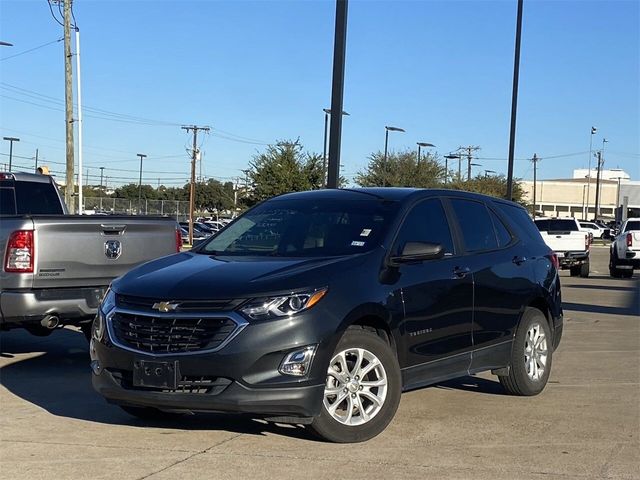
x=31 y=49
x=53 y=14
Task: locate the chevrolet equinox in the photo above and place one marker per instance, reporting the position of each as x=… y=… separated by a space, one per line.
x=320 y=308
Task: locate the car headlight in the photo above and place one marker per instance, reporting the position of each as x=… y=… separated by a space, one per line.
x=281 y=306
x=99 y=323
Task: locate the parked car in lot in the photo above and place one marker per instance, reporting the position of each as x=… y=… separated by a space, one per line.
x=56 y=267
x=571 y=245
x=596 y=230
x=321 y=307
x=624 y=254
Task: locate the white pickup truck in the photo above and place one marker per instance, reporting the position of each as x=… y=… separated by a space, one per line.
x=571 y=245
x=624 y=255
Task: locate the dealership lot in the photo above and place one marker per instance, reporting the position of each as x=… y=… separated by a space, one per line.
x=586 y=424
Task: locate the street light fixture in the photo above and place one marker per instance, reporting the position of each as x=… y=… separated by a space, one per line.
x=423 y=144
x=6 y=44
x=469 y=172
x=492 y=172
x=451 y=156
x=388 y=129
x=327 y=112
x=11 y=140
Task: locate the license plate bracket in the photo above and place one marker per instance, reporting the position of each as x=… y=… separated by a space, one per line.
x=152 y=374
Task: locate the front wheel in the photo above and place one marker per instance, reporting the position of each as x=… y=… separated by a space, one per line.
x=362 y=389
x=531 y=356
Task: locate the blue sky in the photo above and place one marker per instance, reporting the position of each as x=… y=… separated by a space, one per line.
x=260 y=71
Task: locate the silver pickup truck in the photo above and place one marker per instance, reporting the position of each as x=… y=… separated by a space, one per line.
x=56 y=267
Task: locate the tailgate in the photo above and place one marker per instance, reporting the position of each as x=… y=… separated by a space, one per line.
x=565 y=242
x=91 y=251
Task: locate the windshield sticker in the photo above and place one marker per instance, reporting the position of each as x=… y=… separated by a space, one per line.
x=365 y=232
x=356 y=243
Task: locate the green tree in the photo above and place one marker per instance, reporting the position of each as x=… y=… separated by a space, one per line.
x=130 y=191
x=494 y=185
x=401 y=169
x=281 y=168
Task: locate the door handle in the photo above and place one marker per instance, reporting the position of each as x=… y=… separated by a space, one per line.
x=460 y=272
x=519 y=260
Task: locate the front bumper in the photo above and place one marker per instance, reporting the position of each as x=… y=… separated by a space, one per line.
x=70 y=304
x=247 y=367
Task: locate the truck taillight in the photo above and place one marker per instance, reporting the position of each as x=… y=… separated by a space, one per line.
x=20 y=252
x=629 y=239
x=554 y=260
x=587 y=242
x=178 y=240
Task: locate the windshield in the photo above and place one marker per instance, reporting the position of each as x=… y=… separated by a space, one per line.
x=557 y=225
x=305 y=228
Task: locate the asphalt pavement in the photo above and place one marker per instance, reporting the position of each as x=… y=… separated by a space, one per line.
x=586 y=423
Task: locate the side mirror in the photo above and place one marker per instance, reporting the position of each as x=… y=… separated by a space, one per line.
x=418 y=252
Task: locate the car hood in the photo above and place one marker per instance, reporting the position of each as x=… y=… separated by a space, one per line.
x=191 y=276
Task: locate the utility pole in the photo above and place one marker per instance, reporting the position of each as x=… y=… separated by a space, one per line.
x=600 y=162
x=535 y=161
x=11 y=140
x=68 y=95
x=593 y=132
x=192 y=189
x=79 y=121
x=36 y=170
x=142 y=156
x=101 y=190
x=470 y=149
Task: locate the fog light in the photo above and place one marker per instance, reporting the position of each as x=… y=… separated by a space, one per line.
x=96 y=368
x=298 y=363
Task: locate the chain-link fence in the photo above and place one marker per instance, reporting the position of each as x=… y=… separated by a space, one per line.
x=178 y=209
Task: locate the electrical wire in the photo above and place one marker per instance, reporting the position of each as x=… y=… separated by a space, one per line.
x=31 y=49
x=53 y=14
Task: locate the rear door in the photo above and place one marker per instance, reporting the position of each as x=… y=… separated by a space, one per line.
x=437 y=297
x=74 y=251
x=501 y=276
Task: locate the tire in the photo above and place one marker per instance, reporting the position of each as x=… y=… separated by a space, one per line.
x=341 y=419
x=584 y=270
x=149 y=413
x=86 y=328
x=614 y=271
x=574 y=271
x=526 y=377
x=627 y=273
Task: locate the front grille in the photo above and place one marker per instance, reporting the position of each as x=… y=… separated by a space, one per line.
x=146 y=304
x=196 y=384
x=166 y=335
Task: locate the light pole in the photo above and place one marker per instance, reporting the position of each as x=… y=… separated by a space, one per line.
x=593 y=132
x=617 y=198
x=514 y=101
x=423 y=144
x=101 y=190
x=469 y=170
x=327 y=112
x=388 y=129
x=451 y=156
x=142 y=156
x=11 y=140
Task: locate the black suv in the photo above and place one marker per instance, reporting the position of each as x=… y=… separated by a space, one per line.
x=321 y=307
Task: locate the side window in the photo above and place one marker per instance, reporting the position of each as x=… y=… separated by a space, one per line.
x=503 y=235
x=519 y=219
x=476 y=225
x=426 y=222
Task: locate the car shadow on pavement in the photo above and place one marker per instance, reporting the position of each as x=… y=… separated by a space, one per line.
x=473 y=384
x=53 y=373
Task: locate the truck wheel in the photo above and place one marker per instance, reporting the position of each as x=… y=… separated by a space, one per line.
x=614 y=271
x=531 y=356
x=574 y=271
x=627 y=273
x=362 y=389
x=584 y=270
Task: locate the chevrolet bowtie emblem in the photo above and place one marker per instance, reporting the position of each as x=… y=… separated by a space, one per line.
x=165 y=307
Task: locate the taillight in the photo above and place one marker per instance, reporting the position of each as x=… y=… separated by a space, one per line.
x=178 y=240
x=554 y=260
x=629 y=239
x=587 y=243
x=20 y=252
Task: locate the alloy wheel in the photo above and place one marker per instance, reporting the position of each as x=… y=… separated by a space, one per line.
x=535 y=352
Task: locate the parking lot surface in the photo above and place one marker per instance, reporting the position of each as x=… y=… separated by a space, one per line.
x=586 y=424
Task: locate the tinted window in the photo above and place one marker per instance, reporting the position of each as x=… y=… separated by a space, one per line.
x=476 y=225
x=557 y=225
x=521 y=221
x=7 y=202
x=305 y=228
x=426 y=222
x=503 y=235
x=634 y=225
x=36 y=198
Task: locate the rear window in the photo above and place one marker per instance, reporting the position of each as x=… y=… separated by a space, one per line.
x=557 y=225
x=635 y=225
x=521 y=222
x=29 y=198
